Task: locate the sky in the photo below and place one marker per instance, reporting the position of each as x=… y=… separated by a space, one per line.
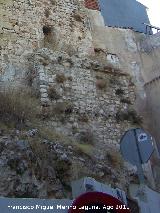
x=153 y=11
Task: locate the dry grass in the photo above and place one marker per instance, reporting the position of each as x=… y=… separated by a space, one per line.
x=86 y=149
x=18 y=106
x=52 y=135
x=114 y=158
x=65 y=107
x=87 y=137
x=60 y=110
x=49 y=134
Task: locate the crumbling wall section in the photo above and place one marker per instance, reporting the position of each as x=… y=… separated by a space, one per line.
x=88 y=101
x=120 y=48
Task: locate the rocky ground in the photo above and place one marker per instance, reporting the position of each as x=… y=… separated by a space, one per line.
x=33 y=165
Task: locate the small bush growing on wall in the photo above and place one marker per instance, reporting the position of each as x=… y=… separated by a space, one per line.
x=125 y=101
x=77 y=17
x=70 y=78
x=30 y=76
x=60 y=78
x=119 y=92
x=47 y=13
x=53 y=2
x=101 y=84
x=114 y=158
x=44 y=61
x=115 y=81
x=63 y=108
x=83 y=118
x=53 y=94
x=85 y=149
x=131 y=115
x=87 y=137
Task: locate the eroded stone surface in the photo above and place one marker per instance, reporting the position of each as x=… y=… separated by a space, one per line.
x=46 y=45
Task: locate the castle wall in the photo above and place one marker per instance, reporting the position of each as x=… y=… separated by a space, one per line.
x=94 y=99
x=28 y=24
x=138 y=55
x=91 y=98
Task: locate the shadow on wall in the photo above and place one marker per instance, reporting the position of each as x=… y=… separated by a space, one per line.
x=50 y=37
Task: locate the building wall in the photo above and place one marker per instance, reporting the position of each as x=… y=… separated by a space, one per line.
x=150 y=56
x=124 y=13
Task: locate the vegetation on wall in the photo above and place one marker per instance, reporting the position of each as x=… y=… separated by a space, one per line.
x=60 y=78
x=129 y=115
x=17 y=106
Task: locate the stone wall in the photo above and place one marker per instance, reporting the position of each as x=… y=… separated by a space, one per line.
x=86 y=93
x=27 y=25
x=86 y=97
x=138 y=55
